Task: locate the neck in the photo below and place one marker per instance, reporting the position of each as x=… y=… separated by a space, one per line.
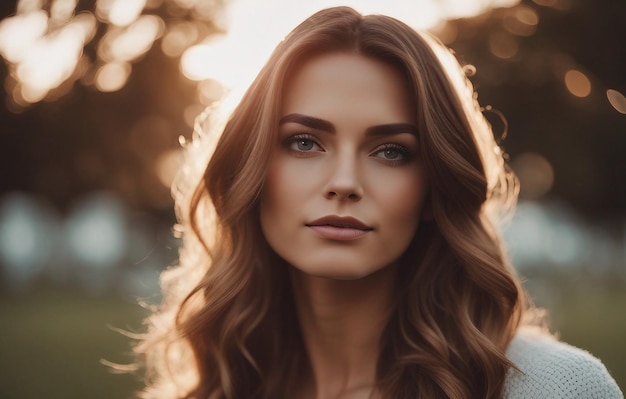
x=342 y=322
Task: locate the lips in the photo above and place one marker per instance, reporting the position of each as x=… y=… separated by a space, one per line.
x=340 y=228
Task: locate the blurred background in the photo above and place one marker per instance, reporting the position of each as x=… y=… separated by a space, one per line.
x=98 y=96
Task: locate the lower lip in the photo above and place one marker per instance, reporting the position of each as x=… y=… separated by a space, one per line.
x=339 y=233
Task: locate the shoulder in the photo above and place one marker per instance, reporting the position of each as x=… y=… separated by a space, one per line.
x=552 y=369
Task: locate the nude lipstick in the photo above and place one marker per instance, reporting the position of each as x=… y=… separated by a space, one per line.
x=339 y=228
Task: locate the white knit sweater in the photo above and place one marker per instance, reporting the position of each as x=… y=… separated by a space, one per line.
x=555 y=370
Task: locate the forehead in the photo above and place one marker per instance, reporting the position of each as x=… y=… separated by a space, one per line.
x=347 y=82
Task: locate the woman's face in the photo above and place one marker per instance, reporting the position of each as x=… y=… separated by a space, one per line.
x=345 y=187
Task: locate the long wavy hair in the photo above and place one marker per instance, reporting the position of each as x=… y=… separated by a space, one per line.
x=227 y=327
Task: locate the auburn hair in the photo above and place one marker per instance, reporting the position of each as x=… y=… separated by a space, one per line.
x=227 y=327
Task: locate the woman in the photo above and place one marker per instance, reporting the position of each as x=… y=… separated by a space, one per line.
x=340 y=242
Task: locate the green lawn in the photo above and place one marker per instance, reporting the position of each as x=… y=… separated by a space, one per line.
x=51 y=342
x=595 y=320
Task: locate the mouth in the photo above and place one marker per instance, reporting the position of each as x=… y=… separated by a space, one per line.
x=340 y=228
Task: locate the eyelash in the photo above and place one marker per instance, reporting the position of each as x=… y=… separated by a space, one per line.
x=289 y=142
x=403 y=152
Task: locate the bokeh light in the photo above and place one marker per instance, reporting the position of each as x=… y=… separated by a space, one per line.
x=503 y=45
x=617 y=100
x=131 y=42
x=96 y=232
x=38 y=32
x=521 y=21
x=44 y=42
x=42 y=59
x=19 y=33
x=537 y=229
x=235 y=58
x=112 y=76
x=28 y=234
x=535 y=173
x=577 y=83
x=178 y=37
x=61 y=11
x=203 y=61
x=119 y=12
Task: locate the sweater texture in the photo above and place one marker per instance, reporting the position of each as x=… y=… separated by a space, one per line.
x=555 y=370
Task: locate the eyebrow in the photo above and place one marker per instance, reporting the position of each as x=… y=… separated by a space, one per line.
x=326 y=126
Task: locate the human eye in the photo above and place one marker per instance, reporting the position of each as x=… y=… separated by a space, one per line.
x=303 y=143
x=394 y=154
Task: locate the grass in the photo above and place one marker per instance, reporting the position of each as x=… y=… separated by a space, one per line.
x=595 y=320
x=51 y=342
x=586 y=310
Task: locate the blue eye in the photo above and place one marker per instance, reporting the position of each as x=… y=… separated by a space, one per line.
x=303 y=143
x=391 y=154
x=394 y=153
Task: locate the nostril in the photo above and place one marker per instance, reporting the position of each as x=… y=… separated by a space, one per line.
x=341 y=196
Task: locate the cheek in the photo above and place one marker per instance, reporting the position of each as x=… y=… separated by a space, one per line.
x=402 y=196
x=291 y=181
x=285 y=189
x=280 y=186
x=404 y=214
x=412 y=198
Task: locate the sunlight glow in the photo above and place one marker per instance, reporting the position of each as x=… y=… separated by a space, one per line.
x=26 y=6
x=112 y=76
x=617 y=100
x=43 y=43
x=178 y=37
x=167 y=166
x=577 y=83
x=130 y=43
x=235 y=58
x=43 y=61
x=61 y=11
x=191 y=112
x=119 y=12
x=203 y=61
x=19 y=33
x=186 y=3
x=459 y=8
x=52 y=59
x=210 y=90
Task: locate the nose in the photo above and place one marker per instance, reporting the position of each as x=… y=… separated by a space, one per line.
x=344 y=183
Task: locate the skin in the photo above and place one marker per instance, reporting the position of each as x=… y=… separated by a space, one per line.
x=347 y=147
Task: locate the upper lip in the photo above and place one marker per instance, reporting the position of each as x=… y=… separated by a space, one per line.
x=347 y=222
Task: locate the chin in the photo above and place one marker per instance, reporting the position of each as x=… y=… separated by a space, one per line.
x=337 y=272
